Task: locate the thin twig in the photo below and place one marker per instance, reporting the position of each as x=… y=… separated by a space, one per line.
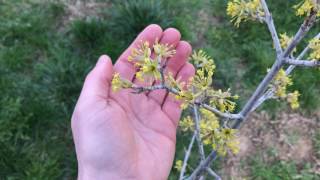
x=269 y=21
x=197 y=130
x=186 y=157
x=214 y=174
x=301 y=55
x=221 y=114
x=140 y=89
x=202 y=166
x=304 y=63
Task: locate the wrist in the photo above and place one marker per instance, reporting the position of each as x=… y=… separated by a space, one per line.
x=91 y=173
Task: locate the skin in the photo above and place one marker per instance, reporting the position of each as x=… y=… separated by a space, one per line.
x=124 y=135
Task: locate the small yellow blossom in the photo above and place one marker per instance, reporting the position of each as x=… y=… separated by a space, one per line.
x=174 y=83
x=118 y=83
x=228 y=141
x=292 y=98
x=222 y=100
x=233 y=146
x=202 y=81
x=148 y=67
x=219 y=138
x=305 y=7
x=315 y=49
x=209 y=132
x=148 y=70
x=208 y=115
x=222 y=140
x=184 y=94
x=202 y=60
x=140 y=53
x=163 y=51
x=228 y=133
x=243 y=10
x=186 y=97
x=285 y=40
x=187 y=124
x=203 y=78
x=209 y=125
x=178 y=165
x=280 y=83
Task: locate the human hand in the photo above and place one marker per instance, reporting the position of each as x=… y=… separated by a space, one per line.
x=124 y=135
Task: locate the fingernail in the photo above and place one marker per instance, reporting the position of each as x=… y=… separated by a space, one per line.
x=102 y=60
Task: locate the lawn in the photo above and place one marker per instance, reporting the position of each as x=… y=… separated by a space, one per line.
x=48 y=47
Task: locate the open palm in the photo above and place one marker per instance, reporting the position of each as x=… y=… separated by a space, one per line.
x=124 y=135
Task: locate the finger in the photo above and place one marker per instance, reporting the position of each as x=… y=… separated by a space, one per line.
x=97 y=82
x=171 y=37
x=125 y=68
x=171 y=106
x=175 y=63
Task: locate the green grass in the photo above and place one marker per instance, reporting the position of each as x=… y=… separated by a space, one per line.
x=279 y=170
x=43 y=64
x=317 y=144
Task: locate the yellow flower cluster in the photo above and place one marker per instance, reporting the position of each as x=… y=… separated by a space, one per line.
x=187 y=124
x=148 y=68
x=315 y=47
x=243 y=10
x=206 y=67
x=212 y=134
x=119 y=83
x=222 y=100
x=222 y=141
x=292 y=98
x=305 y=7
x=209 y=125
x=202 y=60
x=200 y=83
x=140 y=53
x=285 y=40
x=219 y=138
x=280 y=84
x=186 y=97
x=184 y=94
x=200 y=86
x=163 y=51
x=178 y=165
x=230 y=141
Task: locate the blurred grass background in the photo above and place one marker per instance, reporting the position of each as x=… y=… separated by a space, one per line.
x=47 y=48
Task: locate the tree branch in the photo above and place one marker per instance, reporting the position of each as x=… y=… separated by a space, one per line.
x=186 y=157
x=304 y=28
x=140 y=89
x=212 y=173
x=221 y=114
x=203 y=165
x=305 y=63
x=270 y=93
x=197 y=130
x=269 y=21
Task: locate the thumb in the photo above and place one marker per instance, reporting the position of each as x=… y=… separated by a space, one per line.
x=98 y=81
